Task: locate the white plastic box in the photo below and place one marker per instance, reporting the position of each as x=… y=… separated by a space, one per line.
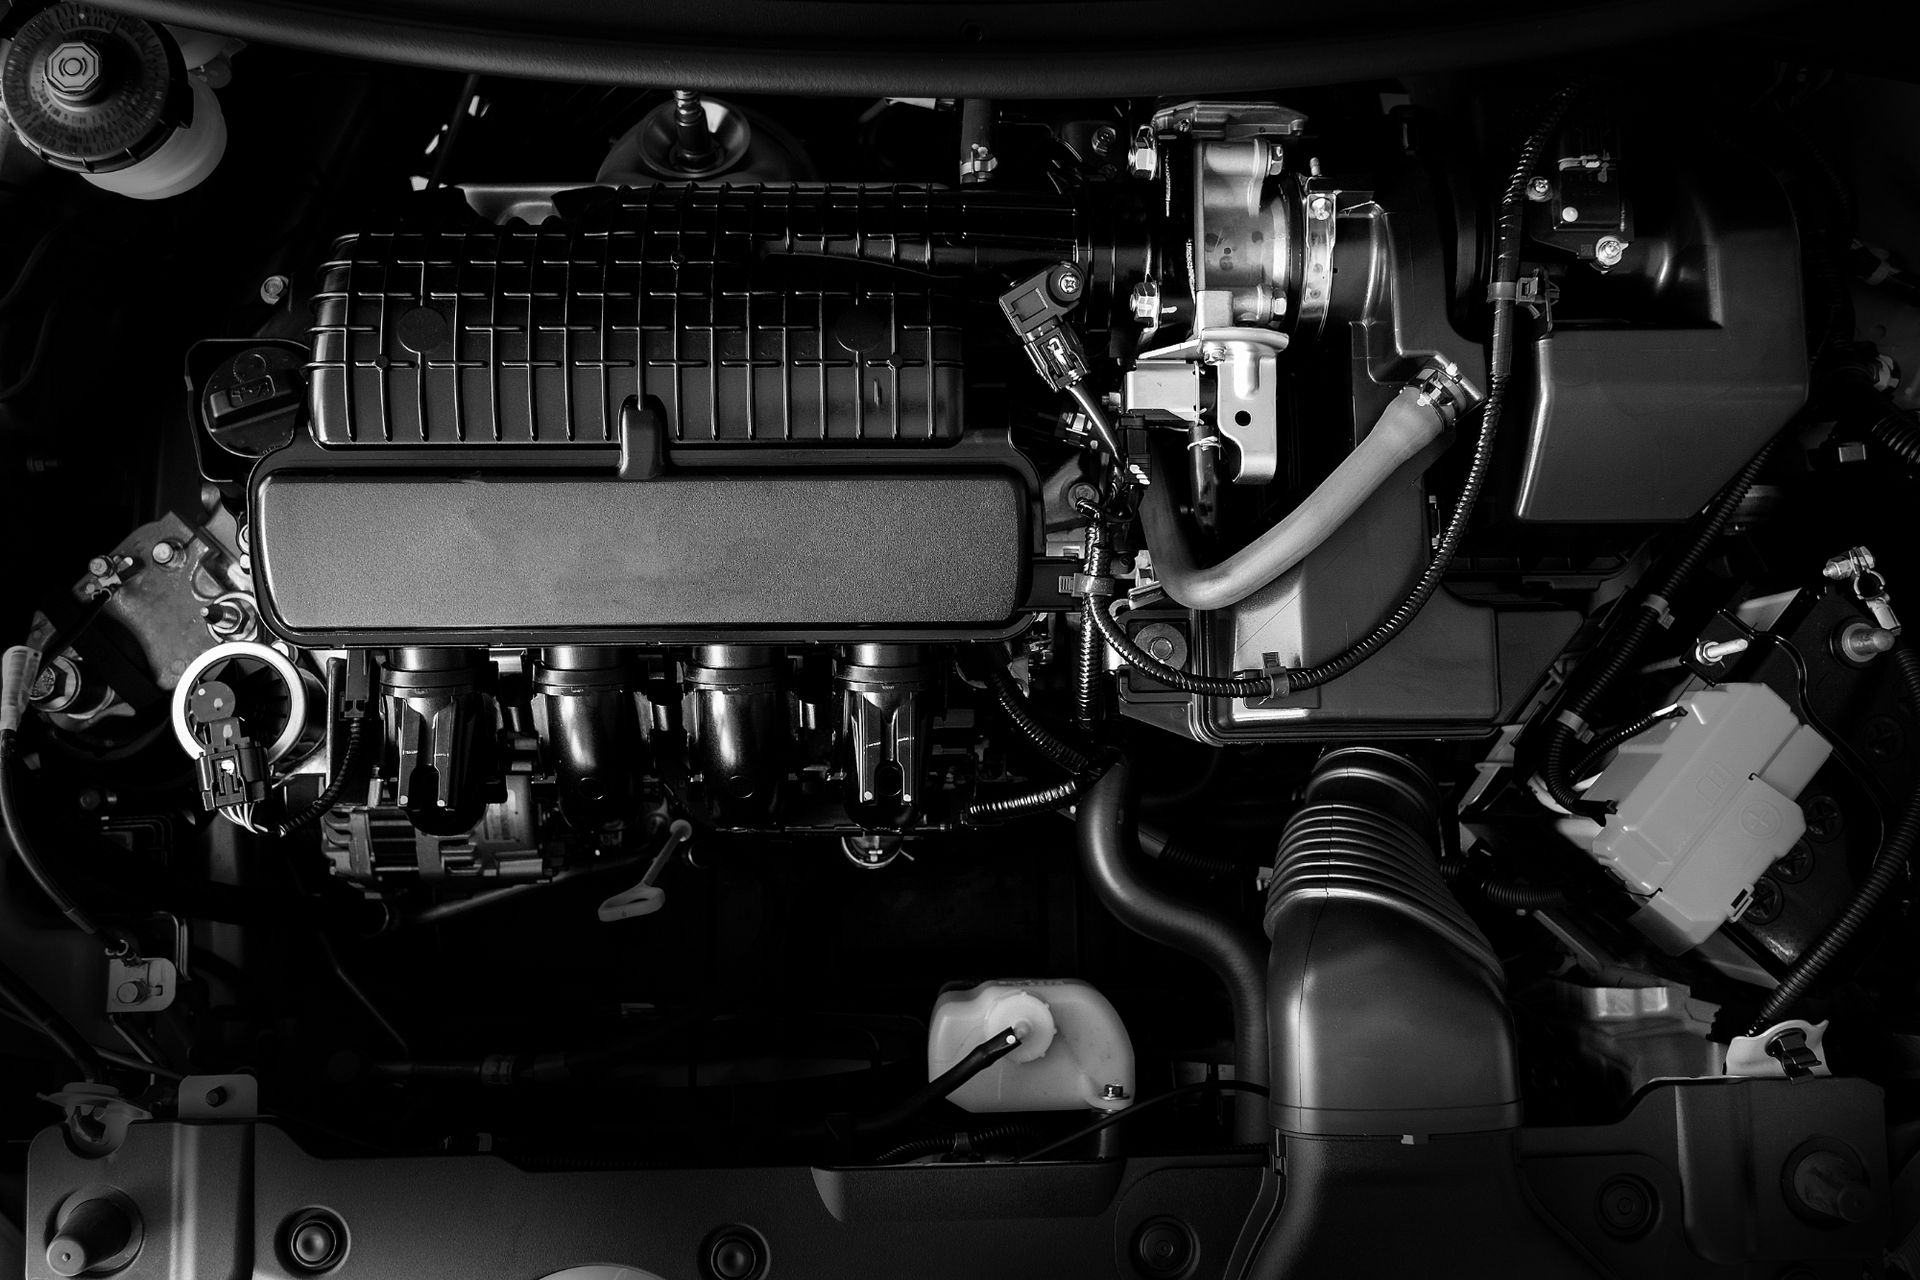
x=1706 y=803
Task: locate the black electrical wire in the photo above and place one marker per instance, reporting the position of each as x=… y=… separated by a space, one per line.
x=47 y=1020
x=947 y=1144
x=15 y=822
x=29 y=265
x=1020 y=714
x=349 y=765
x=1594 y=677
x=1890 y=865
x=977 y=1059
x=1506 y=274
x=1031 y=801
x=1613 y=739
x=1113 y=1118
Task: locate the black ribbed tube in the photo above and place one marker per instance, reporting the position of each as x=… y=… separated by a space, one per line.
x=349 y=765
x=1026 y=801
x=1889 y=868
x=1021 y=715
x=1613 y=739
x=945 y=1144
x=1110 y=858
x=1596 y=674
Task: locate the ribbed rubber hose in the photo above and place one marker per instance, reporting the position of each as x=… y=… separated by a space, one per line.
x=1020 y=714
x=1595 y=676
x=1889 y=868
x=1110 y=858
x=15 y=821
x=330 y=794
x=1897 y=431
x=1506 y=273
x=1027 y=801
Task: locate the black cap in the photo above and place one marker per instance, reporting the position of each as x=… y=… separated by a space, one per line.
x=93 y=90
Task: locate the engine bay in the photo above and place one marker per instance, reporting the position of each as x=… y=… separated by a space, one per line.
x=627 y=676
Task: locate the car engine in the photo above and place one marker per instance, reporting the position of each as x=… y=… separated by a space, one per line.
x=743 y=641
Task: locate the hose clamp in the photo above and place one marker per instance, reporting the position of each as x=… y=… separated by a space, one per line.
x=1441 y=389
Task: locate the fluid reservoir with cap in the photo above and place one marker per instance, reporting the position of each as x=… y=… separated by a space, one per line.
x=115 y=99
x=1074 y=1050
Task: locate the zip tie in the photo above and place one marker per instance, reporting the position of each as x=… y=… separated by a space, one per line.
x=1208 y=442
x=1661 y=608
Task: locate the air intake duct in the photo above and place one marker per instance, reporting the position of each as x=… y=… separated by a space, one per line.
x=1387 y=1007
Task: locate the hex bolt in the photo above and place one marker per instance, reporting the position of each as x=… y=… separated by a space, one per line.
x=272 y=289
x=1843 y=568
x=1539 y=189
x=74 y=72
x=99 y=566
x=1103 y=139
x=1608 y=250
x=1144 y=302
x=1113 y=1092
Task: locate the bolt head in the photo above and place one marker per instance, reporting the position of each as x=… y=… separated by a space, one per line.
x=99 y=566
x=164 y=552
x=272 y=289
x=1608 y=250
x=1145 y=302
x=1143 y=160
x=1539 y=189
x=1276 y=160
x=1103 y=139
x=74 y=69
x=1320 y=208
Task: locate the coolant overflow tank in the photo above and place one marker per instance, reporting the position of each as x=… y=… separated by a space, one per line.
x=1704 y=803
x=1074 y=1051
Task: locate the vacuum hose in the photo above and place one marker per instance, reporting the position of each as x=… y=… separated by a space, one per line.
x=1110 y=858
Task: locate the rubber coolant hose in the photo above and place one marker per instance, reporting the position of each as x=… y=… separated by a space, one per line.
x=1889 y=868
x=1110 y=859
x=1408 y=425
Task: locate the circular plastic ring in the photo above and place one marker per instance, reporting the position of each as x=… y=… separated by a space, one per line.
x=282 y=667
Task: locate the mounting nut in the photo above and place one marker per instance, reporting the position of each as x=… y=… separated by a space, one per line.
x=73 y=70
x=1539 y=189
x=1608 y=250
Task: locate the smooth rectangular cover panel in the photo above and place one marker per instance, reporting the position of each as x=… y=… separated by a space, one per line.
x=546 y=557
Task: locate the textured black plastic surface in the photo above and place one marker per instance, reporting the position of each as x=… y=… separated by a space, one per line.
x=784 y=315
x=368 y=559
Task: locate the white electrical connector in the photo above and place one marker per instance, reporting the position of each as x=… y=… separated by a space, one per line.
x=18 y=667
